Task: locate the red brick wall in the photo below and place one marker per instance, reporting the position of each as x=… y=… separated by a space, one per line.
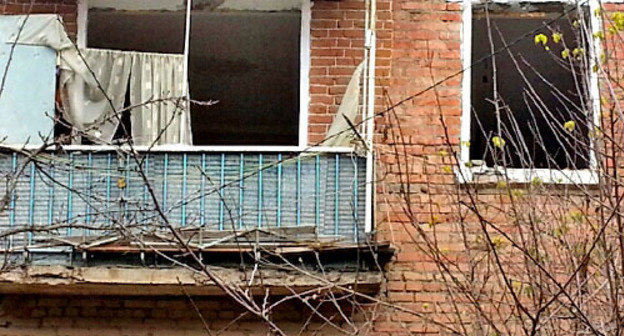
x=337 y=47
x=418 y=44
x=144 y=316
x=410 y=36
x=66 y=8
x=425 y=49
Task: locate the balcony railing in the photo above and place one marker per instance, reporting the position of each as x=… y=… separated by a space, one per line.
x=86 y=194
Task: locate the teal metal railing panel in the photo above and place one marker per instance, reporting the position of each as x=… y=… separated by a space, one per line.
x=91 y=193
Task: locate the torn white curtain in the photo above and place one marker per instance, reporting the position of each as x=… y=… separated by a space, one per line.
x=93 y=88
x=41 y=30
x=155 y=77
x=339 y=134
x=156 y=85
x=157 y=89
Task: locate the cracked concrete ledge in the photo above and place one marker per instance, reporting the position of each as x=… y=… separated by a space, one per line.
x=116 y=280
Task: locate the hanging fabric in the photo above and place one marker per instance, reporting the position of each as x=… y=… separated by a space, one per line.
x=94 y=84
x=161 y=115
x=38 y=30
x=339 y=134
x=93 y=89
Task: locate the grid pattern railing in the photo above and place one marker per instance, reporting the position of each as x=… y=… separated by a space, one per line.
x=91 y=193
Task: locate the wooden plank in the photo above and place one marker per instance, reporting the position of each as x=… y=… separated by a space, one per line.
x=241 y=248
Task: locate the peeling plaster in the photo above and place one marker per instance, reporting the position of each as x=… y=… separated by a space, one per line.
x=116 y=280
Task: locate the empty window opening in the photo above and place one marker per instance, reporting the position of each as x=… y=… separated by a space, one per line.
x=543 y=112
x=248 y=61
x=243 y=54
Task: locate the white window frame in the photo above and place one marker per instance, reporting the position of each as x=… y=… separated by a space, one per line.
x=467 y=173
x=304 y=95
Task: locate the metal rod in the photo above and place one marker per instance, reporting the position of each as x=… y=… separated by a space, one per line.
x=279 y=190
x=298 y=190
x=126 y=190
x=464 y=135
x=221 y=192
x=51 y=193
x=336 y=191
x=109 y=164
x=202 y=200
x=260 y=190
x=165 y=168
x=31 y=210
x=88 y=202
x=187 y=39
x=70 y=193
x=184 y=187
x=240 y=190
x=317 y=191
x=370 y=121
x=185 y=71
x=12 y=213
x=145 y=189
x=355 y=198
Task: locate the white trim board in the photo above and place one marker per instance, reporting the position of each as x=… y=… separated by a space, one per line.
x=304 y=72
x=465 y=174
x=489 y=175
x=82 y=23
x=189 y=149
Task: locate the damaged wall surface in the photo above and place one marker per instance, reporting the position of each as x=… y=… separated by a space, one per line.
x=62 y=280
x=28 y=85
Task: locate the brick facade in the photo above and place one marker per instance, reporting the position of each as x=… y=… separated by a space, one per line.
x=418 y=44
x=66 y=8
x=142 y=316
x=337 y=47
x=426 y=49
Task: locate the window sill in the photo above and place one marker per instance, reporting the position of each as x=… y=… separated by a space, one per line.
x=189 y=149
x=489 y=175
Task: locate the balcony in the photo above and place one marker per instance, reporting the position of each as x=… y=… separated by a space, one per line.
x=85 y=196
x=95 y=219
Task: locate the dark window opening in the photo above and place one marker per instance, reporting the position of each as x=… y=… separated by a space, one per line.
x=545 y=110
x=246 y=60
x=249 y=62
x=124 y=130
x=147 y=31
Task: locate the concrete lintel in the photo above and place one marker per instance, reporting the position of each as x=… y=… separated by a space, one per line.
x=62 y=280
